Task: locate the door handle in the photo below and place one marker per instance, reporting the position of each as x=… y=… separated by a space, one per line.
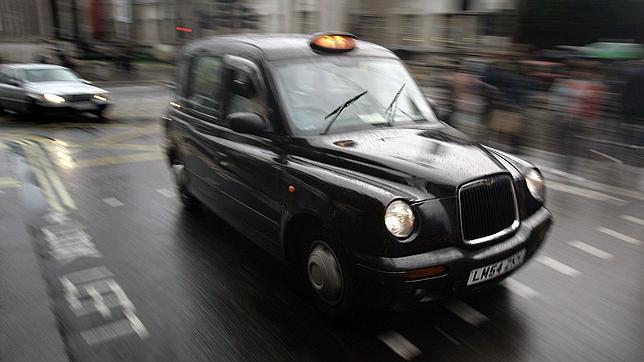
x=221 y=159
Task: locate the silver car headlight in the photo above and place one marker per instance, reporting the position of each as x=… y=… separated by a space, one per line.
x=103 y=97
x=52 y=98
x=535 y=183
x=400 y=219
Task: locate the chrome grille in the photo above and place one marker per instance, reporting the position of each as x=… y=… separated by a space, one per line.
x=488 y=209
x=78 y=97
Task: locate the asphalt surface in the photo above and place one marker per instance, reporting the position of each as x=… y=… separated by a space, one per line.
x=98 y=261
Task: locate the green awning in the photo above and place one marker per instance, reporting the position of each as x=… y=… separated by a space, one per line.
x=608 y=50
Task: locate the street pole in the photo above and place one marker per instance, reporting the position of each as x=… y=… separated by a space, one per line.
x=75 y=23
x=55 y=19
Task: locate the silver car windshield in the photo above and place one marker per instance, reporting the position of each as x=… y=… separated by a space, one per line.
x=309 y=90
x=50 y=75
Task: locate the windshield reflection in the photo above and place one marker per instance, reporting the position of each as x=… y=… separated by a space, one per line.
x=310 y=90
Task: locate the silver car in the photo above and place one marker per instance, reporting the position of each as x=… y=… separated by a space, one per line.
x=45 y=89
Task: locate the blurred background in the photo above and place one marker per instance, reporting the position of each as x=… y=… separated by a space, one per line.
x=560 y=82
x=515 y=72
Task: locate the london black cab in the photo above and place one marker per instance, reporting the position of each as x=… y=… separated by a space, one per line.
x=323 y=150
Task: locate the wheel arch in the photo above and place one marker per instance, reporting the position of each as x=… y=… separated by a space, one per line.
x=293 y=228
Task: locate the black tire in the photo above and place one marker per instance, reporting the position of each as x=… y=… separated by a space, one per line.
x=181 y=178
x=342 y=305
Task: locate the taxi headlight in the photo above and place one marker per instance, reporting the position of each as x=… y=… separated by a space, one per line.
x=400 y=219
x=52 y=98
x=100 y=97
x=535 y=183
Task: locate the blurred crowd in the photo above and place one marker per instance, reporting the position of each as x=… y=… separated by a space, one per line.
x=582 y=107
x=122 y=57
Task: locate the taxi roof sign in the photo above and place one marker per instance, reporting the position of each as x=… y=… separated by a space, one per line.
x=333 y=41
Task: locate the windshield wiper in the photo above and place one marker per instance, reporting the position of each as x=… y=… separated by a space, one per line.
x=390 y=112
x=339 y=110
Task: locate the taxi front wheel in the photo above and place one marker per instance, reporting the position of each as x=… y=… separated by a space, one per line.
x=326 y=274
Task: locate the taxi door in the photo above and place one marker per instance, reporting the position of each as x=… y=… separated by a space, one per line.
x=250 y=165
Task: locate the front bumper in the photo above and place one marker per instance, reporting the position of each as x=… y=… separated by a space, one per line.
x=69 y=108
x=384 y=280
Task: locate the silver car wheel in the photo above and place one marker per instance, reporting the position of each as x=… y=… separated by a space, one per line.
x=325 y=273
x=180 y=180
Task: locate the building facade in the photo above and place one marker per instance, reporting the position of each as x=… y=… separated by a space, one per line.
x=410 y=25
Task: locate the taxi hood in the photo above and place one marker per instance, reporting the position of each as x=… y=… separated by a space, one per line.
x=434 y=161
x=64 y=88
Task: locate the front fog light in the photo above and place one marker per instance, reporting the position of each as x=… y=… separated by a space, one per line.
x=400 y=219
x=52 y=98
x=536 y=186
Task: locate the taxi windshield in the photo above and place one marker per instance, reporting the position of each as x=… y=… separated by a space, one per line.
x=311 y=90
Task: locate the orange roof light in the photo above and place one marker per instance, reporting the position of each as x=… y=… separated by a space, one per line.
x=335 y=42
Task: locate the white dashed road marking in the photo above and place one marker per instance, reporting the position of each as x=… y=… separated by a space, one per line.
x=619 y=235
x=633 y=219
x=113 y=201
x=450 y=338
x=557 y=265
x=614 y=159
x=520 y=289
x=167 y=193
x=400 y=345
x=467 y=313
x=591 y=249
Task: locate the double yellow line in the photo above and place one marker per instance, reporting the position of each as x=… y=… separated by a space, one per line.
x=47 y=178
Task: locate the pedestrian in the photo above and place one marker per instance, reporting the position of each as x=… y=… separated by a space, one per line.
x=467 y=102
x=580 y=99
x=505 y=118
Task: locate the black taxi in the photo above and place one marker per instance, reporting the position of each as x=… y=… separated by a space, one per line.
x=323 y=150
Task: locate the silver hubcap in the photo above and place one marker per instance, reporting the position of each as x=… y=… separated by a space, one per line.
x=177 y=168
x=325 y=274
x=180 y=178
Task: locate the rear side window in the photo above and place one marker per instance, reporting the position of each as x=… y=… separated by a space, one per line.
x=204 y=89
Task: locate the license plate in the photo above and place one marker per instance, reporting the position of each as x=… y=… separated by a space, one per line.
x=84 y=106
x=491 y=271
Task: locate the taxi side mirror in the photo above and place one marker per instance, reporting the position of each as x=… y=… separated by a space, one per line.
x=249 y=123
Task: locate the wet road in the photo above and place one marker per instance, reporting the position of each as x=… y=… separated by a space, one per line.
x=98 y=261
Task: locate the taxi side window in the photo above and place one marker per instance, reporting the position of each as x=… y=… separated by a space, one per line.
x=205 y=85
x=244 y=97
